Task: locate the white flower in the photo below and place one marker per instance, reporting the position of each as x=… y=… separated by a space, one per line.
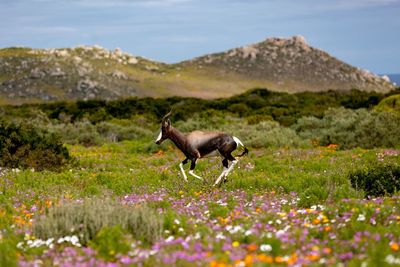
x=248 y=232
x=236 y=229
x=169 y=239
x=265 y=247
x=361 y=217
x=220 y=236
x=20 y=245
x=197 y=236
x=392 y=260
x=280 y=233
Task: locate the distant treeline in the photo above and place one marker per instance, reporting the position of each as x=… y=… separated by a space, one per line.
x=255 y=105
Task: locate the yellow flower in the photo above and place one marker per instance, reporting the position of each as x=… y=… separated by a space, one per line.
x=235 y=244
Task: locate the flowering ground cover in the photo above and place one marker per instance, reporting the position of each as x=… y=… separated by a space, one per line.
x=281 y=207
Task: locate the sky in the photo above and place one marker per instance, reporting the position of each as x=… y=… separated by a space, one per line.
x=363 y=33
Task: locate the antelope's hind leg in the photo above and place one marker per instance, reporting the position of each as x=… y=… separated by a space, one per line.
x=223 y=173
x=192 y=166
x=182 y=170
x=226 y=170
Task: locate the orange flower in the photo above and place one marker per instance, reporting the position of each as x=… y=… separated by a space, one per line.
x=394 y=246
x=252 y=247
x=328 y=228
x=313 y=256
x=264 y=258
x=279 y=259
x=248 y=260
x=316 y=221
x=292 y=259
x=327 y=250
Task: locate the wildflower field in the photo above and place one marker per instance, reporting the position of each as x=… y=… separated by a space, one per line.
x=126 y=204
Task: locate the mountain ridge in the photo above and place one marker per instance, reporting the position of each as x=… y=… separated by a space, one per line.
x=89 y=72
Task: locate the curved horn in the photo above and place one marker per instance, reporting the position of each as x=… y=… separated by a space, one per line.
x=167 y=116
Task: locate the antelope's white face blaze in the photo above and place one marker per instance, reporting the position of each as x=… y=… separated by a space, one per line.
x=159 y=136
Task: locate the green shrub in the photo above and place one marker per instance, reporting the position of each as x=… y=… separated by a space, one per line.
x=111 y=241
x=351 y=128
x=87 y=218
x=8 y=252
x=377 y=181
x=82 y=132
x=22 y=145
x=390 y=104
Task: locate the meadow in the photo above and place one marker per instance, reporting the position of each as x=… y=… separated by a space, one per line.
x=317 y=189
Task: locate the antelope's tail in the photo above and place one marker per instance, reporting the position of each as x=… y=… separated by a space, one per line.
x=238 y=142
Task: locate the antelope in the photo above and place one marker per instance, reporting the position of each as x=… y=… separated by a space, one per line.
x=198 y=144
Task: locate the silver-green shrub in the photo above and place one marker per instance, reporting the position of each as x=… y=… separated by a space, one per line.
x=86 y=218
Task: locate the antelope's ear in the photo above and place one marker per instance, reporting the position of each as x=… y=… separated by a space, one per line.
x=166 y=123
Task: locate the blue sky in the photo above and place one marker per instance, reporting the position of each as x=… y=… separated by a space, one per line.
x=364 y=33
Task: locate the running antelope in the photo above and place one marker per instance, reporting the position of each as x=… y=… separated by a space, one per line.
x=199 y=144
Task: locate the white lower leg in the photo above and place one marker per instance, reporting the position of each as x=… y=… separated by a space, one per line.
x=183 y=172
x=231 y=167
x=223 y=174
x=195 y=175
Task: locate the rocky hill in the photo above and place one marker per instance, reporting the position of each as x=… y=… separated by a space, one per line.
x=291 y=65
x=33 y=75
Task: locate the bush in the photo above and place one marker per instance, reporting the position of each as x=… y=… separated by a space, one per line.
x=86 y=219
x=22 y=145
x=82 y=132
x=88 y=134
x=377 y=181
x=390 y=104
x=8 y=251
x=351 y=128
x=262 y=134
x=111 y=241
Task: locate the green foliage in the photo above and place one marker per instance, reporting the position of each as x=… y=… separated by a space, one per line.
x=390 y=104
x=111 y=241
x=8 y=252
x=282 y=107
x=86 y=219
x=82 y=132
x=377 y=180
x=22 y=145
x=351 y=128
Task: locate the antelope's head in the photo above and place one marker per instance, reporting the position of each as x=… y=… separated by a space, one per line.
x=165 y=129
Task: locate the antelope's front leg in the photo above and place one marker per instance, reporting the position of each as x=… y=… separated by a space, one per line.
x=182 y=170
x=192 y=166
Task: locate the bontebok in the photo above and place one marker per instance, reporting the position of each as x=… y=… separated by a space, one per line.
x=199 y=144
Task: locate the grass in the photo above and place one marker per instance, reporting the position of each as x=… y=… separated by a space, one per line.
x=266 y=186
x=121 y=167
